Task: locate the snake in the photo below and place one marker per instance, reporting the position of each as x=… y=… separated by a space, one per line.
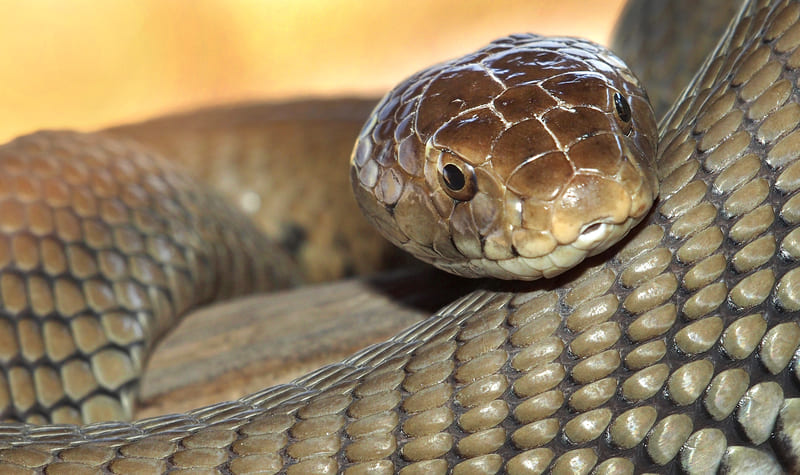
x=670 y=352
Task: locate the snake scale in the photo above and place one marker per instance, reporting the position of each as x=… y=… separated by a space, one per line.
x=673 y=353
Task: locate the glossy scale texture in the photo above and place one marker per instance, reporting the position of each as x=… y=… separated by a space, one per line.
x=555 y=136
x=675 y=354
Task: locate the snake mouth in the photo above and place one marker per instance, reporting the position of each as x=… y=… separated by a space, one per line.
x=594 y=238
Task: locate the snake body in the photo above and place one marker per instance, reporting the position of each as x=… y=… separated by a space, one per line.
x=672 y=353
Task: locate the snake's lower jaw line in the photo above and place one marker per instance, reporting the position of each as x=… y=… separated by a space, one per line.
x=594 y=238
x=555 y=263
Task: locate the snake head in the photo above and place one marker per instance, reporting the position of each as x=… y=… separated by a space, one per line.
x=517 y=161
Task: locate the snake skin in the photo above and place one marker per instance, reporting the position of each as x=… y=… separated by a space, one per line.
x=103 y=247
x=554 y=142
x=245 y=153
x=675 y=353
x=691 y=28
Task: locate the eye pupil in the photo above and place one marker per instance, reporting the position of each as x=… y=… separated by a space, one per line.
x=623 y=109
x=457 y=178
x=453 y=177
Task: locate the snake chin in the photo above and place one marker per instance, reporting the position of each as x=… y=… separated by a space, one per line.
x=596 y=238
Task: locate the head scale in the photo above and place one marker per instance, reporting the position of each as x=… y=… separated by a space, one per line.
x=517 y=161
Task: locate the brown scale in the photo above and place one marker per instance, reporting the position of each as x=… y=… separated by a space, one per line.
x=246 y=151
x=643 y=30
x=102 y=249
x=546 y=138
x=674 y=354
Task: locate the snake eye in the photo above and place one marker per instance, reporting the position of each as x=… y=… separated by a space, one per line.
x=623 y=109
x=458 y=180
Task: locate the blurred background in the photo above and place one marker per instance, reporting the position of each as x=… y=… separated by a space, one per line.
x=86 y=64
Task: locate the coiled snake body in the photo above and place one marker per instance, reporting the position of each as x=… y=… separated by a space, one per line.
x=676 y=352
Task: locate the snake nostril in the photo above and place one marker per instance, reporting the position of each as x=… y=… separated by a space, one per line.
x=591 y=228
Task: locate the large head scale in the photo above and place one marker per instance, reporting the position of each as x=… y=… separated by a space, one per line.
x=516 y=161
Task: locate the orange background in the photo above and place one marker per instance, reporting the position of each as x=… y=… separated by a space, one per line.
x=90 y=63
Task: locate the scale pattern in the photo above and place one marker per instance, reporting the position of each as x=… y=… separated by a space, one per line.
x=676 y=353
x=691 y=28
x=533 y=123
x=102 y=248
